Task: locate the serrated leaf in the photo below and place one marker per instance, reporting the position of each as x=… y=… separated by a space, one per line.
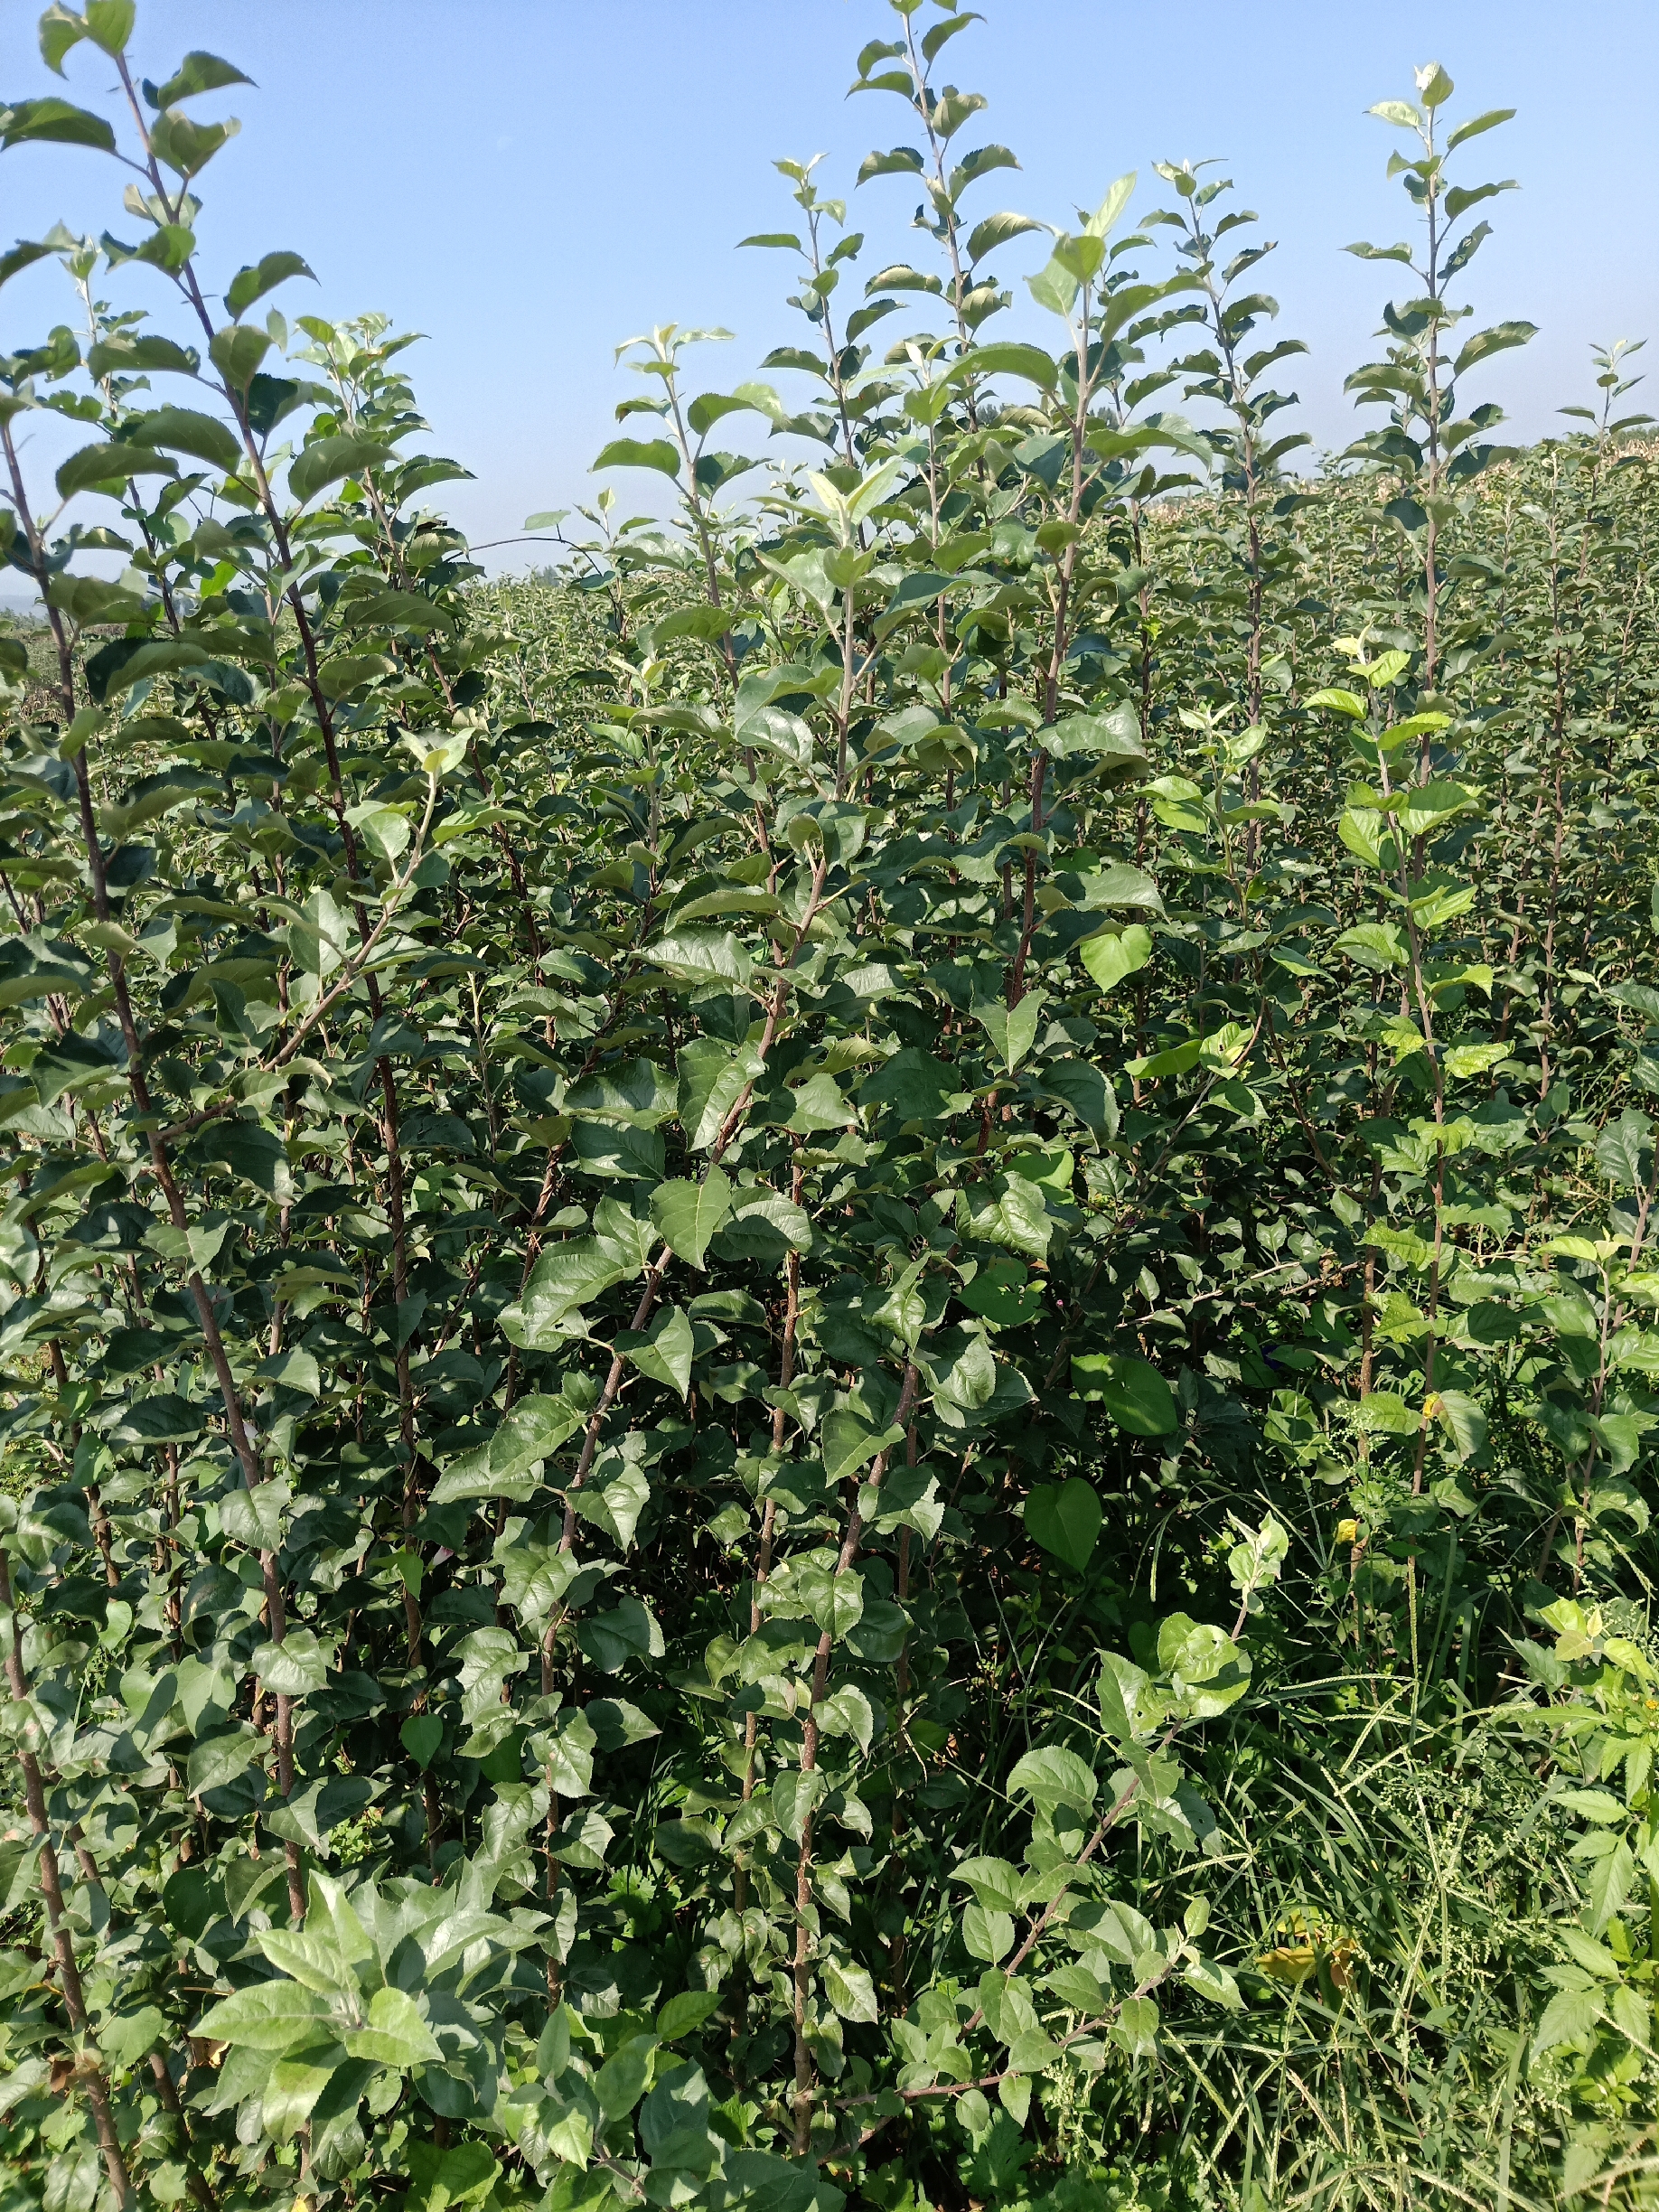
x=329 y=460
x=850 y=1990
x=665 y=1352
x=1051 y=1777
x=688 y=1214
x=657 y=453
x=395 y=2034
x=271 y=2016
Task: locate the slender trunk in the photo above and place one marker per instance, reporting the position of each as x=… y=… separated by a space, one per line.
x=88 y=2071
x=806 y=2073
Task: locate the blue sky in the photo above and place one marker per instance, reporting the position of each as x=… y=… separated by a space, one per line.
x=529 y=181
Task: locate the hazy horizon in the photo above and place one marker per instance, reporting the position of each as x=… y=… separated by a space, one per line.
x=530 y=185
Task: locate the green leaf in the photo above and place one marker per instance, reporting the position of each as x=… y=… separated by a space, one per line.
x=293 y=2087
x=1051 y=1777
x=187 y=146
x=1592 y=1804
x=198 y=72
x=1111 y=957
x=1342 y=702
x=820 y=1104
x=293 y=1668
x=1375 y=944
x=1136 y=2028
x=1612 y=1878
x=531 y=1433
x=913 y=1082
x=763 y=1224
x=1464 y=1420
x=235 y=351
x=327 y=460
x=1214 y=1982
x=639 y=1092
x=833 y=1598
x=130 y=2037
x=100 y=467
x=420 y=1736
x=995 y=1883
x=1003 y=1293
x=847 y=1712
x=1476 y=123
x=264 y=276
x=985 y=238
x=686 y=1214
x=203 y=437
x=1174 y=1060
x=1120 y=1692
x=21 y=257
x=657 y=453
x=458 y=2176
x=565 y=1277
x=1569 y=2014
x=56 y=122
x=1011 y=1029
x=60 y=30
x=1497 y=340
x=1259 y=1559
x=1006 y=357
x=295 y=1370
x=1386 y=1413
x=1632 y=2016
x=702 y=956
x=396 y=2034
x=665 y=1353
x=615 y=1723
x=1065 y=1519
x=1463 y=197
x=683 y=2015
x=310 y=1960
x=1020 y=1218
x=621 y=2082
x=901 y=161
x=1619 y=1147
x=1085 y=1091
x=850 y=1990
x=158 y=1419
x=215 y=1761
x=271 y=2016
x=713 y=1077
x=1134 y=1393
x=1207 y=1671
x=986 y=1935
x=1054 y=286
x=849 y=1443
x=616 y=1493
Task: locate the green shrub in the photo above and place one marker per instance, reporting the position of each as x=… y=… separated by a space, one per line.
x=826 y=1353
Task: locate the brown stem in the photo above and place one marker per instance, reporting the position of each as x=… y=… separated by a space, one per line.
x=88 y=2070
x=167 y=2089
x=1108 y=1819
x=786 y=1370
x=160 y=1166
x=805 y=2071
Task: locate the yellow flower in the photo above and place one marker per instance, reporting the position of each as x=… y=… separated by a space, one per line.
x=1347 y=1531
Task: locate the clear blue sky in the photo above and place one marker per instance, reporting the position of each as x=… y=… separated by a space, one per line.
x=529 y=181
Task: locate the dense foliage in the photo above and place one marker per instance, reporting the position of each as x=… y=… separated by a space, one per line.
x=827 y=1349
